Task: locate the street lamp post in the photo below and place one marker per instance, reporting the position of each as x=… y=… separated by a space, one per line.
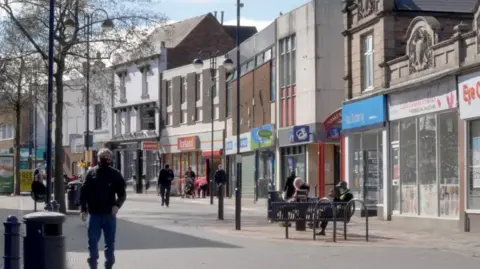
x=198 y=64
x=107 y=24
x=238 y=187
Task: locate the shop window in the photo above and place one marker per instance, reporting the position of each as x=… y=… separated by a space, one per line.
x=408 y=167
x=427 y=166
x=193 y=162
x=355 y=160
x=449 y=174
x=474 y=166
x=176 y=165
x=201 y=166
x=395 y=160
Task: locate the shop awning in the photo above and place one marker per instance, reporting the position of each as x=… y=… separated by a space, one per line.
x=331 y=126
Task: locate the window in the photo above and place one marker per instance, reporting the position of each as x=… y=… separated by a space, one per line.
x=287 y=80
x=145 y=70
x=6 y=131
x=168 y=120
x=98 y=116
x=183 y=117
x=267 y=55
x=367 y=63
x=123 y=90
x=259 y=59
x=183 y=90
x=272 y=81
x=168 y=93
x=198 y=114
x=128 y=121
x=147 y=118
x=429 y=185
x=229 y=98
x=197 y=87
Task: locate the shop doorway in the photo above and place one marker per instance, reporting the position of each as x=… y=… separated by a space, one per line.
x=336 y=164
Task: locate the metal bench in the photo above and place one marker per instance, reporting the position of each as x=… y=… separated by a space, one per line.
x=316 y=211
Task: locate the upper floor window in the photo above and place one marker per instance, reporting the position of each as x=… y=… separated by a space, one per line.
x=183 y=89
x=123 y=89
x=287 y=61
x=367 y=63
x=197 y=87
x=147 y=119
x=229 y=96
x=145 y=70
x=272 y=81
x=98 y=116
x=168 y=93
x=6 y=131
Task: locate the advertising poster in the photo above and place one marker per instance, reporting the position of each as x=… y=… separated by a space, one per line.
x=26 y=178
x=6 y=174
x=476 y=162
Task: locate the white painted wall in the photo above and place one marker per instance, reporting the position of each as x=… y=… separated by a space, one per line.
x=133 y=85
x=319 y=58
x=74 y=110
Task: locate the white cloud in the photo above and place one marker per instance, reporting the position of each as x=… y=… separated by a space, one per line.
x=260 y=24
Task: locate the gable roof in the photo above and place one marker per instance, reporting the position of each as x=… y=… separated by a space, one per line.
x=245 y=31
x=173 y=34
x=460 y=6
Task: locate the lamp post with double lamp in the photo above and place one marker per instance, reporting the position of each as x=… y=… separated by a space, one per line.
x=70 y=26
x=198 y=64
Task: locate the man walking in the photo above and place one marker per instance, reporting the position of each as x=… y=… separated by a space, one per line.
x=102 y=194
x=165 y=181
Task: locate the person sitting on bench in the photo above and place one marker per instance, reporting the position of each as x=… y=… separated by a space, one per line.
x=344 y=196
x=38 y=188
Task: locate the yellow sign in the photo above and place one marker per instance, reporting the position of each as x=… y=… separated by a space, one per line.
x=26 y=178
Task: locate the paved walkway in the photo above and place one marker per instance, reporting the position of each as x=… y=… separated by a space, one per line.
x=187 y=235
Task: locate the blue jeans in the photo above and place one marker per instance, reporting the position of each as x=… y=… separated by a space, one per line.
x=96 y=224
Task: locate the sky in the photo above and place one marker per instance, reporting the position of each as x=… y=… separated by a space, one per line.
x=259 y=13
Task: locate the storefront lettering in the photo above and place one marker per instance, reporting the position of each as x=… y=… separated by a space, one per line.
x=355 y=118
x=244 y=142
x=187 y=143
x=471 y=93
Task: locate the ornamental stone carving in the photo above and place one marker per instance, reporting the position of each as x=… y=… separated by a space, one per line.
x=420 y=50
x=366 y=7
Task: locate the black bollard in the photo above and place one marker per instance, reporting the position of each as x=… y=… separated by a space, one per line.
x=220 y=201
x=55 y=206
x=11 y=252
x=44 y=243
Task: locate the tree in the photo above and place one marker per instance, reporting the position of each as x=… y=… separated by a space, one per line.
x=16 y=72
x=132 y=20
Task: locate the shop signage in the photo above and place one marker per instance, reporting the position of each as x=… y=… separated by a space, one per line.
x=187 y=143
x=6 y=174
x=469 y=95
x=245 y=143
x=150 y=145
x=261 y=137
x=300 y=134
x=367 y=112
x=437 y=97
x=334 y=133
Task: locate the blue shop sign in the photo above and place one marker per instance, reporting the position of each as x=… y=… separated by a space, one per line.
x=369 y=112
x=300 y=134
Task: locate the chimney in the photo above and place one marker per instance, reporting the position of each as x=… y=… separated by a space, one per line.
x=215 y=14
x=221 y=17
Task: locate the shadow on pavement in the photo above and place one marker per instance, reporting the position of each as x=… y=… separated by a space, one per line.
x=135 y=236
x=130 y=235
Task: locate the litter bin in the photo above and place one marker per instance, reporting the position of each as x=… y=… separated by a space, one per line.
x=73 y=194
x=44 y=243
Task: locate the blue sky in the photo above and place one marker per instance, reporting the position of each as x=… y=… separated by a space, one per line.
x=259 y=13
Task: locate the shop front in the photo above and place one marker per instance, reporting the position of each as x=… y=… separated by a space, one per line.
x=263 y=143
x=293 y=145
x=363 y=126
x=194 y=150
x=248 y=185
x=469 y=102
x=424 y=151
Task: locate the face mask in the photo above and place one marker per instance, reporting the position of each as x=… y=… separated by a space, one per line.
x=104 y=162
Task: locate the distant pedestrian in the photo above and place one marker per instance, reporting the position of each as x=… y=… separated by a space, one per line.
x=220 y=178
x=165 y=182
x=101 y=196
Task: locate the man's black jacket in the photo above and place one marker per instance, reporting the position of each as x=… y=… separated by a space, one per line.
x=103 y=188
x=220 y=177
x=166 y=176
